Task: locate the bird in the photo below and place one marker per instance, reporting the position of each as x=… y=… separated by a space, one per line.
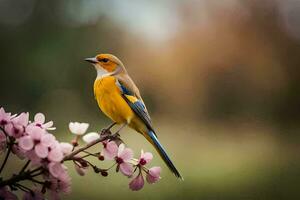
x=119 y=98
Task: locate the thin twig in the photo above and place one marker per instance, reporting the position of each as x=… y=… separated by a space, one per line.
x=36 y=181
x=6 y=157
x=20 y=177
x=22 y=187
x=71 y=155
x=90 y=154
x=37 y=169
x=24 y=167
x=34 y=175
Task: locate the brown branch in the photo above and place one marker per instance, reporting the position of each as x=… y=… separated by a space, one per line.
x=74 y=153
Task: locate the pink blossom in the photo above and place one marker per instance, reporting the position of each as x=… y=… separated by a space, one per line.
x=137 y=183
x=33 y=141
x=39 y=120
x=145 y=158
x=57 y=169
x=4 y=117
x=18 y=151
x=22 y=119
x=55 y=155
x=110 y=149
x=153 y=175
x=14 y=130
x=66 y=148
x=63 y=184
x=80 y=169
x=44 y=144
x=26 y=143
x=49 y=140
x=6 y=194
x=35 y=159
x=17 y=126
x=35 y=132
x=41 y=150
x=36 y=195
x=123 y=159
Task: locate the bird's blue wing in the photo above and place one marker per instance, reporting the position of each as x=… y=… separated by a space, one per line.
x=136 y=105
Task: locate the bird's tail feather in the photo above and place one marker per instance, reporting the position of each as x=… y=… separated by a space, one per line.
x=153 y=139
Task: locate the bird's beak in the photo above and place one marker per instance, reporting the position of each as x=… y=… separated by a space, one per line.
x=91 y=60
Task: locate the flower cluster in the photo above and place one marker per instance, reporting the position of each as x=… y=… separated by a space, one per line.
x=44 y=157
x=121 y=156
x=31 y=141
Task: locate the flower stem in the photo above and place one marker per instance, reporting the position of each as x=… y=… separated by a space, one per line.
x=23 y=188
x=71 y=155
x=24 y=167
x=14 y=179
x=6 y=157
x=20 y=177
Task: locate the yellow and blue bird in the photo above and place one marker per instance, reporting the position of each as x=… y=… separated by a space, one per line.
x=119 y=98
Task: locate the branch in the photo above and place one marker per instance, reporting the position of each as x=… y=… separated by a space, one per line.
x=20 y=177
x=15 y=179
x=74 y=153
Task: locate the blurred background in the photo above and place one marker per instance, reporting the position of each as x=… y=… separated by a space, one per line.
x=220 y=78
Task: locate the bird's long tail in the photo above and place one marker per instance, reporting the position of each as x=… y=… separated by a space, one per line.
x=153 y=139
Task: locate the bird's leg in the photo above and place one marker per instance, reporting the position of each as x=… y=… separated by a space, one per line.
x=106 y=131
x=116 y=135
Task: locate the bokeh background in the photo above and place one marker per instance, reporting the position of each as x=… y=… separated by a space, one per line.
x=220 y=78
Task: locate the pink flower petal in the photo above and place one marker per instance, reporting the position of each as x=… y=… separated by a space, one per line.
x=22 y=119
x=80 y=170
x=146 y=156
x=153 y=175
x=35 y=132
x=137 y=183
x=14 y=130
x=126 y=169
x=18 y=151
x=5 y=118
x=56 y=169
x=66 y=148
x=110 y=151
x=55 y=155
x=121 y=149
x=126 y=154
x=37 y=195
x=41 y=150
x=2 y=136
x=6 y=194
x=48 y=140
x=26 y=143
x=35 y=160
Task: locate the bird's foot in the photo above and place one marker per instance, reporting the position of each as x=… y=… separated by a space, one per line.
x=105 y=132
x=115 y=136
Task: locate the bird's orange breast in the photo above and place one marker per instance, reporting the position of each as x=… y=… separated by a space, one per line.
x=110 y=100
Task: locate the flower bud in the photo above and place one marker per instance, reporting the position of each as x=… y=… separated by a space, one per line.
x=100 y=157
x=104 y=173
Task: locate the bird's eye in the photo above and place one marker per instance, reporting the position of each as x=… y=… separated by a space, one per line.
x=104 y=60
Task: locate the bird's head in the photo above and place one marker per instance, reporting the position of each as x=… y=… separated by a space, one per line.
x=106 y=64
